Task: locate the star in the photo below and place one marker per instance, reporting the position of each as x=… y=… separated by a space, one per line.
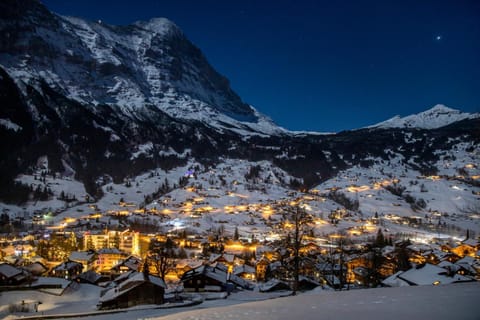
x=438 y=37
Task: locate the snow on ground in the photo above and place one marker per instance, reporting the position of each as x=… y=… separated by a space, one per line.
x=449 y=197
x=424 y=302
x=455 y=301
x=81 y=298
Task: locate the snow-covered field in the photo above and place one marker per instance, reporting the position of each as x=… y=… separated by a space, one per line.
x=425 y=302
x=455 y=301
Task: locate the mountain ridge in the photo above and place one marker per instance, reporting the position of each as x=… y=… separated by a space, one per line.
x=148 y=63
x=433 y=118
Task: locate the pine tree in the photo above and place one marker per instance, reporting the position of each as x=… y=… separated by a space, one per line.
x=236 y=236
x=380 y=240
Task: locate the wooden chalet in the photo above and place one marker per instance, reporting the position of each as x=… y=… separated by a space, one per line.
x=206 y=278
x=10 y=275
x=139 y=288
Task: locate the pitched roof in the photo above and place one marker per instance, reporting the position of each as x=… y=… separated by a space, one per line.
x=131 y=263
x=81 y=255
x=217 y=273
x=394 y=281
x=67 y=265
x=110 y=251
x=9 y=271
x=90 y=276
x=430 y=274
x=245 y=268
x=273 y=284
x=471 y=242
x=136 y=279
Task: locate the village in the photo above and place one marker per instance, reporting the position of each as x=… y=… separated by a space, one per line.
x=135 y=267
x=160 y=237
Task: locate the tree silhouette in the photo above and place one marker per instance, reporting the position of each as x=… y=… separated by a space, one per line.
x=296 y=224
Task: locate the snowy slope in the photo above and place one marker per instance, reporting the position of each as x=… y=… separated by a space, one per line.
x=425 y=302
x=436 y=117
x=450 y=196
x=455 y=301
x=148 y=63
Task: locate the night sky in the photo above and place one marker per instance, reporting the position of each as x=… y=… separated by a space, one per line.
x=325 y=65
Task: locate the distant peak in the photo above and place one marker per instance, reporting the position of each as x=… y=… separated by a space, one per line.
x=435 y=117
x=158 y=25
x=441 y=108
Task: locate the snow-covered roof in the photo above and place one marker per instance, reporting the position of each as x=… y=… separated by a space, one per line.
x=191 y=263
x=131 y=263
x=135 y=279
x=110 y=251
x=90 y=276
x=394 y=281
x=67 y=265
x=216 y=274
x=471 y=242
x=243 y=269
x=82 y=255
x=36 y=267
x=466 y=260
x=272 y=285
x=9 y=271
x=240 y=282
x=123 y=276
x=430 y=274
x=447 y=265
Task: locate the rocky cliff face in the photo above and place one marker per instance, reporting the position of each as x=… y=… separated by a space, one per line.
x=143 y=65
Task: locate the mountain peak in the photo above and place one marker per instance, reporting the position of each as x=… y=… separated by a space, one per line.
x=436 y=117
x=441 y=108
x=158 y=25
x=149 y=65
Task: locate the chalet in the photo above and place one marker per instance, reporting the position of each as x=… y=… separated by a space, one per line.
x=332 y=281
x=276 y=270
x=306 y=283
x=36 y=268
x=467 y=266
x=108 y=258
x=427 y=274
x=131 y=263
x=466 y=248
x=139 y=288
x=307 y=266
x=90 y=277
x=244 y=271
x=274 y=285
x=230 y=260
x=437 y=256
x=206 y=278
x=240 y=282
x=68 y=269
x=10 y=275
x=310 y=248
x=261 y=269
x=185 y=265
x=361 y=275
x=86 y=258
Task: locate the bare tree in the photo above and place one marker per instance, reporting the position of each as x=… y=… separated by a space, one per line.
x=296 y=224
x=161 y=257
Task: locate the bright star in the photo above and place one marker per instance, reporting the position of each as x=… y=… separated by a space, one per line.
x=438 y=38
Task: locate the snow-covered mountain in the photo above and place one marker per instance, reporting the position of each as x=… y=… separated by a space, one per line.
x=131 y=68
x=436 y=117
